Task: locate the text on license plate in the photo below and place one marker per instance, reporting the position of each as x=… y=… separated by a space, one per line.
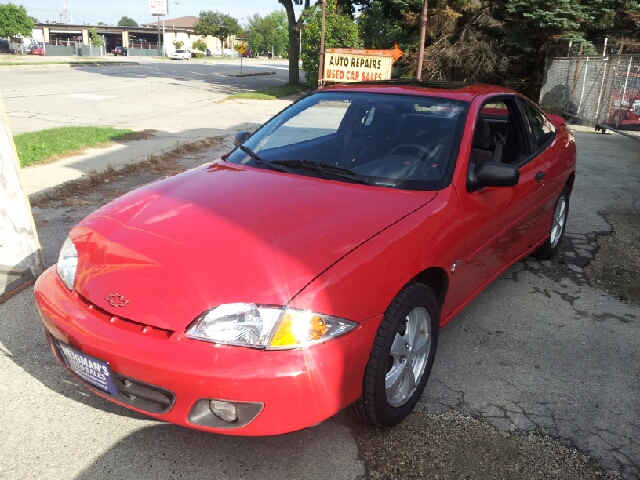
x=92 y=370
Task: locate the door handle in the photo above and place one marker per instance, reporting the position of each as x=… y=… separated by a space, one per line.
x=539 y=176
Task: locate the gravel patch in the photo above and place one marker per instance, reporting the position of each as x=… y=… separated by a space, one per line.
x=457 y=446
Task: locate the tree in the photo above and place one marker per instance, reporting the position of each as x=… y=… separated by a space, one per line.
x=377 y=29
x=178 y=44
x=295 y=26
x=535 y=24
x=14 y=21
x=340 y=32
x=217 y=24
x=96 y=40
x=127 y=22
x=270 y=32
x=199 y=45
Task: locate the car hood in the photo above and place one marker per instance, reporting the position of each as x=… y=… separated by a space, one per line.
x=224 y=233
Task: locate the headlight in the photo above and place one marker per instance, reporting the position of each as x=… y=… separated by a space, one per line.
x=250 y=325
x=68 y=263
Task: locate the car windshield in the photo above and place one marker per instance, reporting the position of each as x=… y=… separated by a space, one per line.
x=179 y=51
x=396 y=141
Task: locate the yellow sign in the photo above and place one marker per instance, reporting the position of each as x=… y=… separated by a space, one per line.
x=241 y=48
x=349 y=65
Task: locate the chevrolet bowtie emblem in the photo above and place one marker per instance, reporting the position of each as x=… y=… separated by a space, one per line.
x=116 y=300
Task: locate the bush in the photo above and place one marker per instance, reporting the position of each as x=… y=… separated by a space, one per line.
x=197 y=55
x=341 y=32
x=199 y=45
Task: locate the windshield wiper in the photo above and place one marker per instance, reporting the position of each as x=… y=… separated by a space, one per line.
x=324 y=169
x=262 y=163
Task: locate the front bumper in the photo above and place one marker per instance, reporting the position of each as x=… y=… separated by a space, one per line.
x=299 y=388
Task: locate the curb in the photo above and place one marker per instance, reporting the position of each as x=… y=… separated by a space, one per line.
x=252 y=74
x=37 y=197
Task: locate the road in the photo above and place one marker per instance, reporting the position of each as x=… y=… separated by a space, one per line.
x=541 y=350
x=177 y=101
x=170 y=96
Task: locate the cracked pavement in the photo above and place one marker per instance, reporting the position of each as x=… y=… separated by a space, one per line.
x=541 y=350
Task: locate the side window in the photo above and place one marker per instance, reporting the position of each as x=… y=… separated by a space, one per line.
x=497 y=136
x=540 y=127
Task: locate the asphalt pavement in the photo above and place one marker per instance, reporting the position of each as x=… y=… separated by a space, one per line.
x=165 y=95
x=175 y=102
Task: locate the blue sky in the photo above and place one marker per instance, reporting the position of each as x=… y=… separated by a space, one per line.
x=93 y=11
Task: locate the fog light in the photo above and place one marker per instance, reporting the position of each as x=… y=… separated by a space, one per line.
x=223 y=410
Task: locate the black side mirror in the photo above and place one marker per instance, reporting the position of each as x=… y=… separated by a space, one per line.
x=241 y=137
x=492 y=174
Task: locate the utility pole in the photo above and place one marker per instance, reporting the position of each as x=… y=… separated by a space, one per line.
x=423 y=36
x=321 y=60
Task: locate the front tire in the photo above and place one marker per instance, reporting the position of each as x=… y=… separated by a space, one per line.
x=401 y=358
x=550 y=247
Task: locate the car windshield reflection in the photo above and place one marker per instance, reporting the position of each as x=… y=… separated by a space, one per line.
x=397 y=141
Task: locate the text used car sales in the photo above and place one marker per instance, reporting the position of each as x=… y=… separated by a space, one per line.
x=356 y=68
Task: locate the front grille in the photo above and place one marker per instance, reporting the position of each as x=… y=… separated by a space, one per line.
x=136 y=393
x=124 y=323
x=144 y=396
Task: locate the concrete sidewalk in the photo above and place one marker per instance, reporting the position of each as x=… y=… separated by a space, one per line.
x=225 y=119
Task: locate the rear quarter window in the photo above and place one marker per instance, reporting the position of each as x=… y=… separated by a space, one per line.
x=540 y=127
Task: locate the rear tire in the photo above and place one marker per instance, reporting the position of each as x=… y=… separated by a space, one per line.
x=401 y=358
x=550 y=247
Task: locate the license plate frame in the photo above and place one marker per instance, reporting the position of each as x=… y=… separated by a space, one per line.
x=92 y=370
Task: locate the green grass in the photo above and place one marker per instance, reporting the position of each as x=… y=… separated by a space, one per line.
x=34 y=147
x=271 y=93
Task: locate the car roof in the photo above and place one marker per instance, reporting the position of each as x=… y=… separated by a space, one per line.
x=453 y=90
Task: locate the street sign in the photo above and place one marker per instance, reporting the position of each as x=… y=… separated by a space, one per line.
x=241 y=48
x=158 y=7
x=350 y=65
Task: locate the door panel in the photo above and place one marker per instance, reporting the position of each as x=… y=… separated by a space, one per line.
x=497 y=219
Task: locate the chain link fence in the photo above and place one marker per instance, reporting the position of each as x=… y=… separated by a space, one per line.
x=600 y=91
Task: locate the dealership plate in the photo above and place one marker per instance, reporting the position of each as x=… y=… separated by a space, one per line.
x=90 y=369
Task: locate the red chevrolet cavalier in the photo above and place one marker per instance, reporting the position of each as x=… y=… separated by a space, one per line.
x=313 y=266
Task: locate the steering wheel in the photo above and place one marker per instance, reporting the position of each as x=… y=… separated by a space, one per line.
x=413 y=146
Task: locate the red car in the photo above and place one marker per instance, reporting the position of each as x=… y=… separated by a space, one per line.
x=624 y=104
x=312 y=267
x=37 y=51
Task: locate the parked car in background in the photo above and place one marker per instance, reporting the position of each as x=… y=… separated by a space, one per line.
x=120 y=50
x=37 y=50
x=247 y=54
x=181 y=54
x=313 y=266
x=624 y=109
x=22 y=45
